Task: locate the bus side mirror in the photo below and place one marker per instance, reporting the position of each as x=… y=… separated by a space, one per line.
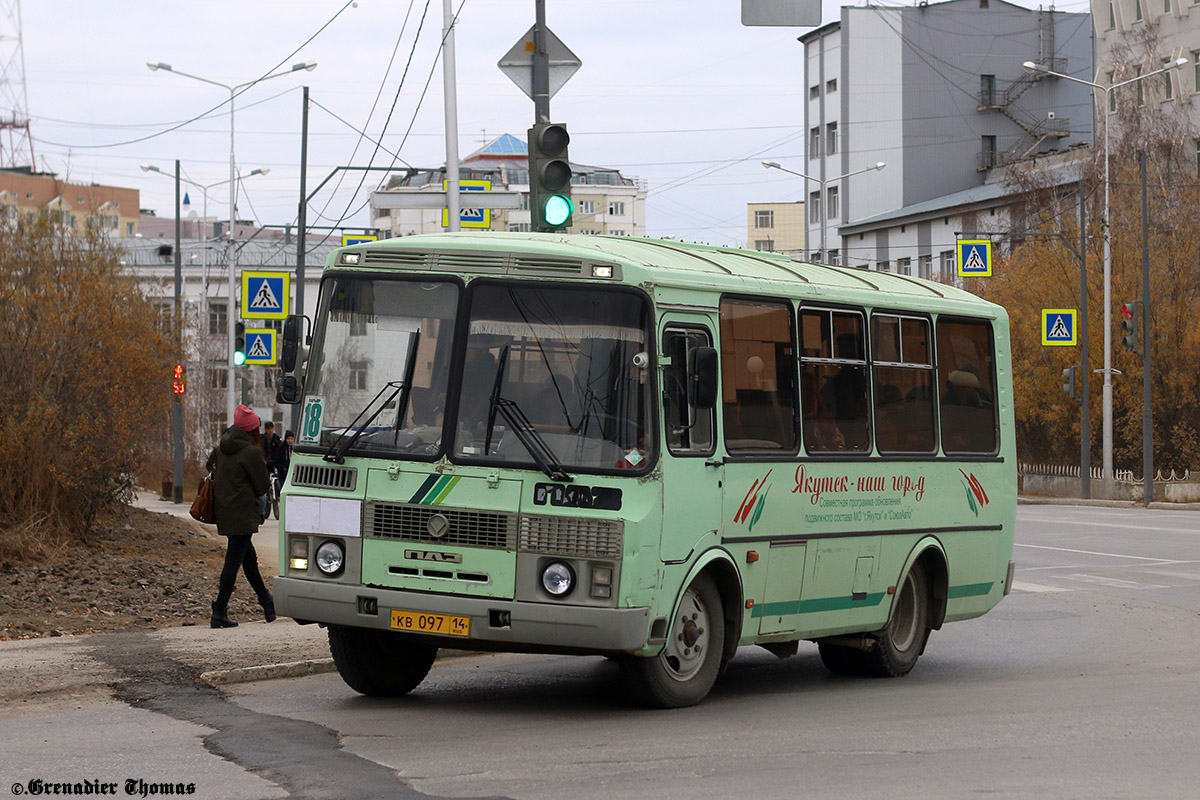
x=290 y=345
x=702 y=377
x=288 y=391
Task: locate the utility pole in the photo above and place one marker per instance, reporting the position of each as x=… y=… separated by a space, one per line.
x=541 y=66
x=1147 y=410
x=453 y=212
x=177 y=409
x=1085 y=419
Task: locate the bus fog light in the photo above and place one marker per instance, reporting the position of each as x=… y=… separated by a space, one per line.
x=298 y=547
x=299 y=564
x=331 y=558
x=558 y=579
x=601 y=576
x=602 y=592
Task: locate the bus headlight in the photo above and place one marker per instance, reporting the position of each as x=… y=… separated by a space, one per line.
x=331 y=557
x=557 y=578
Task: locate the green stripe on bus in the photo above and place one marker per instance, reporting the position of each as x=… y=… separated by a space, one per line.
x=437 y=501
x=970 y=590
x=420 y=493
x=815 y=606
x=427 y=500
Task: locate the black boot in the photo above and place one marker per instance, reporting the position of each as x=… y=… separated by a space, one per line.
x=268 y=607
x=220 y=617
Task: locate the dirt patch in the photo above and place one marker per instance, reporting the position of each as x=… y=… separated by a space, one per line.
x=138 y=569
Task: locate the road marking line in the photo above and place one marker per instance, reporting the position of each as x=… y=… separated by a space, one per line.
x=1022 y=586
x=1089 y=552
x=1082 y=524
x=1113 y=583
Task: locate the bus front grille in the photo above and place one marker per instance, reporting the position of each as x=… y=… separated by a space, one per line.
x=488 y=529
x=322 y=477
x=572 y=536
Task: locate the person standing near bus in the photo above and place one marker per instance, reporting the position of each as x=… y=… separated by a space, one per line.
x=277 y=465
x=239 y=480
x=270 y=445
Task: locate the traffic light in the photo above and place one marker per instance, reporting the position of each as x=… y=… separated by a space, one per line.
x=178 y=380
x=1071 y=382
x=239 y=344
x=550 y=206
x=1129 y=326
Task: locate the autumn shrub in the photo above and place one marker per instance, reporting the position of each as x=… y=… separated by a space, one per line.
x=81 y=386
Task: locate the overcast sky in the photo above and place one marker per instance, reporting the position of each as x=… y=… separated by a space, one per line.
x=674 y=92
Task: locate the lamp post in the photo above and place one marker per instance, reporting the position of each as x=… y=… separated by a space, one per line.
x=230 y=246
x=1106 y=407
x=821 y=198
x=204 y=229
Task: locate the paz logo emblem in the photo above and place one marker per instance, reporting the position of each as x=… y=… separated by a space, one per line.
x=438 y=526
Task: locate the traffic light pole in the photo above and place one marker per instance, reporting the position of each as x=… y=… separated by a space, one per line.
x=1085 y=419
x=1147 y=410
x=453 y=213
x=541 y=67
x=177 y=410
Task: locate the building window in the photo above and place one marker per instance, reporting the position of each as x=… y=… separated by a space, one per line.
x=988 y=151
x=1112 y=17
x=518 y=227
x=987 y=90
x=831 y=138
x=217 y=321
x=1166 y=6
x=1168 y=89
x=1141 y=89
x=618 y=233
x=904 y=266
x=814 y=143
x=831 y=85
x=218 y=378
x=835 y=256
x=832 y=200
x=925 y=267
x=358 y=327
x=616 y=208
x=358 y=375
x=764 y=245
x=947 y=262
x=1137 y=10
x=1196 y=69
x=764 y=219
x=885 y=266
x=1112 y=96
x=587 y=206
x=814 y=92
x=814 y=207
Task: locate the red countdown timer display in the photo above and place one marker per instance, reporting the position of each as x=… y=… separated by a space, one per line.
x=177 y=384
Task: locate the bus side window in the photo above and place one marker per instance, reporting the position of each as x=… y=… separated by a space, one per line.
x=758 y=375
x=833 y=381
x=903 y=365
x=689 y=430
x=966 y=382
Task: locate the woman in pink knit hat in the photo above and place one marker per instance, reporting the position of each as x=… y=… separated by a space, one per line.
x=239 y=479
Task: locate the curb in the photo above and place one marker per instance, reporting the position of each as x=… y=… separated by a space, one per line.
x=292 y=669
x=1075 y=501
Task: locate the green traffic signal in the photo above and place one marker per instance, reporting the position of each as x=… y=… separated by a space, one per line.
x=557 y=211
x=239 y=344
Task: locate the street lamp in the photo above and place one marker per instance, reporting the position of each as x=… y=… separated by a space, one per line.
x=204 y=229
x=231 y=249
x=1107 y=424
x=823 y=202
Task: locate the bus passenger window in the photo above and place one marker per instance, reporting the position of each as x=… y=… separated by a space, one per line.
x=689 y=430
x=966 y=381
x=758 y=376
x=903 y=366
x=833 y=381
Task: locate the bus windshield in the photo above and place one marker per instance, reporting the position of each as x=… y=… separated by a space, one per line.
x=360 y=364
x=559 y=370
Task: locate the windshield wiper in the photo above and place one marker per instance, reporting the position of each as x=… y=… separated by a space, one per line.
x=528 y=435
x=337 y=451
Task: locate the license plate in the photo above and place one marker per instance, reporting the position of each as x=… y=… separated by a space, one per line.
x=420 y=622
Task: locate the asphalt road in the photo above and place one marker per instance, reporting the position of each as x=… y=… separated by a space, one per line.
x=1085 y=682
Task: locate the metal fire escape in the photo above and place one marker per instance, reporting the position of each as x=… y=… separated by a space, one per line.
x=1035 y=130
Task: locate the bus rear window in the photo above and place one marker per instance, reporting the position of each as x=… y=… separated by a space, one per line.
x=967 y=381
x=757 y=374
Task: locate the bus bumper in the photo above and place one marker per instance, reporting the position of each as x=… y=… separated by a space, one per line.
x=543 y=625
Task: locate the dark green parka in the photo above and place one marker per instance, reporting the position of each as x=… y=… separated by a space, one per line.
x=239 y=479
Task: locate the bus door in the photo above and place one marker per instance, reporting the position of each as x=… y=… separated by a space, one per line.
x=692 y=474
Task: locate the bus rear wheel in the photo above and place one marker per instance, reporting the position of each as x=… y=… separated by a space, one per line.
x=684 y=672
x=898 y=646
x=379 y=663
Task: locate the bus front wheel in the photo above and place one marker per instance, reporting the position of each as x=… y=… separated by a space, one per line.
x=684 y=672
x=379 y=663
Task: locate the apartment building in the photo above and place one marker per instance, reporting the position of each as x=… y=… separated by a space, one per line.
x=26 y=195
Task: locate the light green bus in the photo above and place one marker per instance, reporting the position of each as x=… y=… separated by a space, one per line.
x=645 y=449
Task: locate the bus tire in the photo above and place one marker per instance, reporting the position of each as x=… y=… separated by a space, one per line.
x=900 y=644
x=684 y=672
x=379 y=663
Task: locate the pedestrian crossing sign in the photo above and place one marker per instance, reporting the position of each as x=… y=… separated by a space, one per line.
x=974 y=258
x=265 y=295
x=1058 y=327
x=260 y=346
x=358 y=238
